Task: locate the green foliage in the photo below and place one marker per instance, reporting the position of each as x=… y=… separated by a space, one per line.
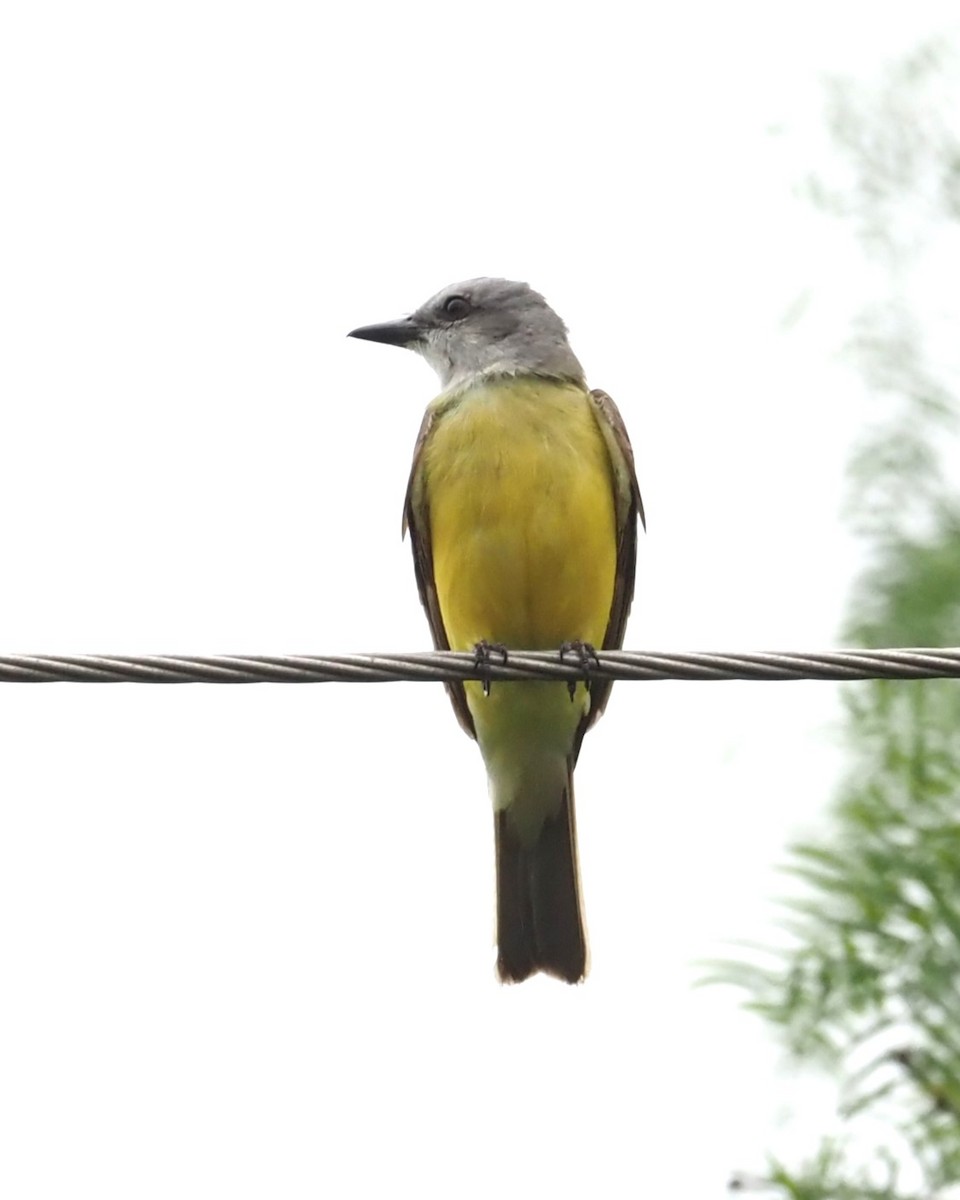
x=869 y=984
x=897 y=139
x=827 y=1176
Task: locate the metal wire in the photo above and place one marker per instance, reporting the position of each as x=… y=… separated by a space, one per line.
x=439 y=666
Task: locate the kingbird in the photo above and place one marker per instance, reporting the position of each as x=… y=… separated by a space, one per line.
x=522 y=508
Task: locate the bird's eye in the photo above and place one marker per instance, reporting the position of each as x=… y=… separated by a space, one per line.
x=456 y=307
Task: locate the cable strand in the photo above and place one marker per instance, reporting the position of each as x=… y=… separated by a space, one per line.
x=445 y=666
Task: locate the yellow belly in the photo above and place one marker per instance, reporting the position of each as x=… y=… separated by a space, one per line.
x=519 y=491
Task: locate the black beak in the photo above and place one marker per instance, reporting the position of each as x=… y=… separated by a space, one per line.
x=404 y=332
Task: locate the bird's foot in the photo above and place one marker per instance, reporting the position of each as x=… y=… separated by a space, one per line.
x=483 y=653
x=586 y=657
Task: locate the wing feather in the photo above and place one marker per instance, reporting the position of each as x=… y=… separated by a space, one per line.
x=629 y=507
x=416 y=519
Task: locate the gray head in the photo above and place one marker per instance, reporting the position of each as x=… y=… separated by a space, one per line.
x=483 y=327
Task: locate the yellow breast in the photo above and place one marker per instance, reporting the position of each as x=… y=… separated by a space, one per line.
x=518 y=493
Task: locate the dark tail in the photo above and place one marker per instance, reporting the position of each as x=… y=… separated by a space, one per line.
x=539 y=922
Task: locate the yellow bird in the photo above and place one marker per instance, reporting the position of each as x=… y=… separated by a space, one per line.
x=522 y=508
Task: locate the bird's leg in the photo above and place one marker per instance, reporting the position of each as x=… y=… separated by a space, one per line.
x=483 y=653
x=586 y=658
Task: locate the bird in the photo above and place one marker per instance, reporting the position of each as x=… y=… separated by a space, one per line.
x=522 y=508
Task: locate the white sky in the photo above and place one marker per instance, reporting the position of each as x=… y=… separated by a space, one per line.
x=246 y=933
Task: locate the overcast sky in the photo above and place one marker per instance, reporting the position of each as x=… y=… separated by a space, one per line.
x=246 y=934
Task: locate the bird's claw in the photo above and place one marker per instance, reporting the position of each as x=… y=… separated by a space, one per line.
x=586 y=657
x=483 y=653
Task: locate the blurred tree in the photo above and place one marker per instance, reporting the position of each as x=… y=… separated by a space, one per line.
x=870 y=981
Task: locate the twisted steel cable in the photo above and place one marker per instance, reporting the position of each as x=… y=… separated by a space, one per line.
x=439 y=666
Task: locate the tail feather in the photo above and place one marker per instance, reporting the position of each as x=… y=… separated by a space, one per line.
x=539 y=917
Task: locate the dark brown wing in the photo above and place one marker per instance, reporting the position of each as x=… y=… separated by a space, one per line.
x=629 y=507
x=416 y=518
